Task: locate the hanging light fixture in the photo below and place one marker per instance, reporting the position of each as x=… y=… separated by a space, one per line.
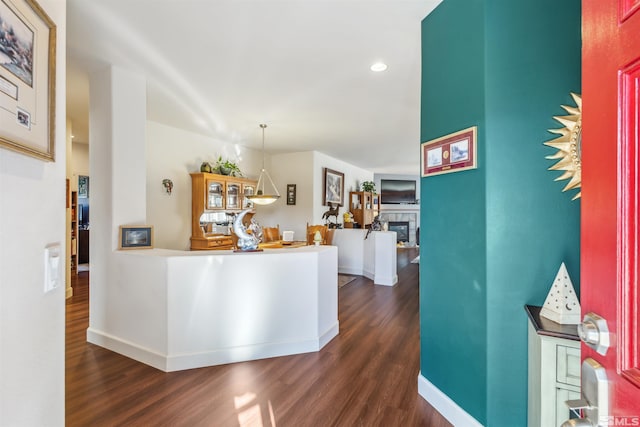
x=263 y=197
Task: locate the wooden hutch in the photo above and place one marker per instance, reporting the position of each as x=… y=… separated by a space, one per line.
x=364 y=206
x=216 y=193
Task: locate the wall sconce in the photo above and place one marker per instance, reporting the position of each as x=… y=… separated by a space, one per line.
x=168 y=185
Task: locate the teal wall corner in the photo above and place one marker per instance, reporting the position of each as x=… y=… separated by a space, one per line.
x=494 y=238
x=453 y=215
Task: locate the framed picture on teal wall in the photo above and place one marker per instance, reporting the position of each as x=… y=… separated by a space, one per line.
x=450 y=153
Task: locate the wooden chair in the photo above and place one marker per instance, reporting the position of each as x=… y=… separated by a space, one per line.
x=270 y=234
x=311 y=232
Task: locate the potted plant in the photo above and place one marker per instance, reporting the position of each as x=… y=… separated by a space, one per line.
x=369 y=186
x=227 y=167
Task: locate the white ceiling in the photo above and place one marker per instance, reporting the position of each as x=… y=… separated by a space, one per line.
x=222 y=67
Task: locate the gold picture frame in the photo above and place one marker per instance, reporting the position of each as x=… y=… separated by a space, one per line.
x=27 y=80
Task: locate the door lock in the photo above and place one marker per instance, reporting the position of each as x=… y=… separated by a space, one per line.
x=595 y=396
x=594 y=332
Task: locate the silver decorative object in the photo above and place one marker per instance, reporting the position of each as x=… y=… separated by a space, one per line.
x=246 y=241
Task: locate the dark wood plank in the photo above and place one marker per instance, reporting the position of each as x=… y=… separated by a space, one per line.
x=366 y=376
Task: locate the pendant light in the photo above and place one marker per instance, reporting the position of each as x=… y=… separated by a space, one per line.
x=263 y=197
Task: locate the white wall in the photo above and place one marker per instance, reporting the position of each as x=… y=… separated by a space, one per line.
x=171 y=214
x=291 y=168
x=174 y=153
x=353 y=177
x=79 y=164
x=117 y=126
x=306 y=170
x=31 y=322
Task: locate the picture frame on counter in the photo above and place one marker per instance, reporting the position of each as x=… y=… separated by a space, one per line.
x=135 y=237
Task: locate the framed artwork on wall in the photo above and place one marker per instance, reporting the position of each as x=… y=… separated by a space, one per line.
x=333 y=187
x=135 y=237
x=291 y=194
x=27 y=79
x=83 y=186
x=450 y=153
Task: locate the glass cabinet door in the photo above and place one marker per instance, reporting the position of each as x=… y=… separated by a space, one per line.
x=247 y=190
x=233 y=195
x=215 y=194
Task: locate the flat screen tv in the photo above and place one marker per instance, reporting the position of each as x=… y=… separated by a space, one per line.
x=397 y=191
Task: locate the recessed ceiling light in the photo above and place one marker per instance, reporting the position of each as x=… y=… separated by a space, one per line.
x=379 y=66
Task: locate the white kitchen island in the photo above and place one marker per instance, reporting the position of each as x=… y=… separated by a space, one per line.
x=178 y=310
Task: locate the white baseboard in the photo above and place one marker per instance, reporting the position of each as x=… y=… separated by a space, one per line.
x=330 y=334
x=346 y=269
x=170 y=363
x=443 y=404
x=385 y=280
x=126 y=348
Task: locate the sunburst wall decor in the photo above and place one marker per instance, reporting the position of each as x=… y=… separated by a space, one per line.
x=568 y=146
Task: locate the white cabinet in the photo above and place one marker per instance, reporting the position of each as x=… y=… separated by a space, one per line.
x=554 y=370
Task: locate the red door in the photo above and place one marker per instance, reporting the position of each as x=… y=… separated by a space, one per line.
x=610 y=184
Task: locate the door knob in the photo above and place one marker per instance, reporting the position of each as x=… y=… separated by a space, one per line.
x=594 y=332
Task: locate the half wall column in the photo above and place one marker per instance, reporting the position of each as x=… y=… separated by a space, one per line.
x=117 y=159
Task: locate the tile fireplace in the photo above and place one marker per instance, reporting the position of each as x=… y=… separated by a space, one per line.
x=397 y=221
x=401 y=228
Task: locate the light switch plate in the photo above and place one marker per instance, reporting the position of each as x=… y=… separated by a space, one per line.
x=52 y=266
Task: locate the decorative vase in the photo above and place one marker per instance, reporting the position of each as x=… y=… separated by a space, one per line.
x=224 y=170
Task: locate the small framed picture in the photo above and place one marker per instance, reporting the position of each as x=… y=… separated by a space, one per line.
x=83 y=186
x=291 y=194
x=451 y=153
x=135 y=237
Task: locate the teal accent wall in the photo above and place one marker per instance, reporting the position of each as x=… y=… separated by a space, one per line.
x=452 y=210
x=492 y=239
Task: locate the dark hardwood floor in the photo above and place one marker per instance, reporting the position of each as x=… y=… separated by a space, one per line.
x=366 y=376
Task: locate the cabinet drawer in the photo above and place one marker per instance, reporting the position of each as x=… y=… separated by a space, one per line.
x=220 y=243
x=568 y=365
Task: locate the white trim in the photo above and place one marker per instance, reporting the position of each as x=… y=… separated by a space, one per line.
x=443 y=404
x=169 y=363
x=354 y=271
x=386 y=280
x=127 y=348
